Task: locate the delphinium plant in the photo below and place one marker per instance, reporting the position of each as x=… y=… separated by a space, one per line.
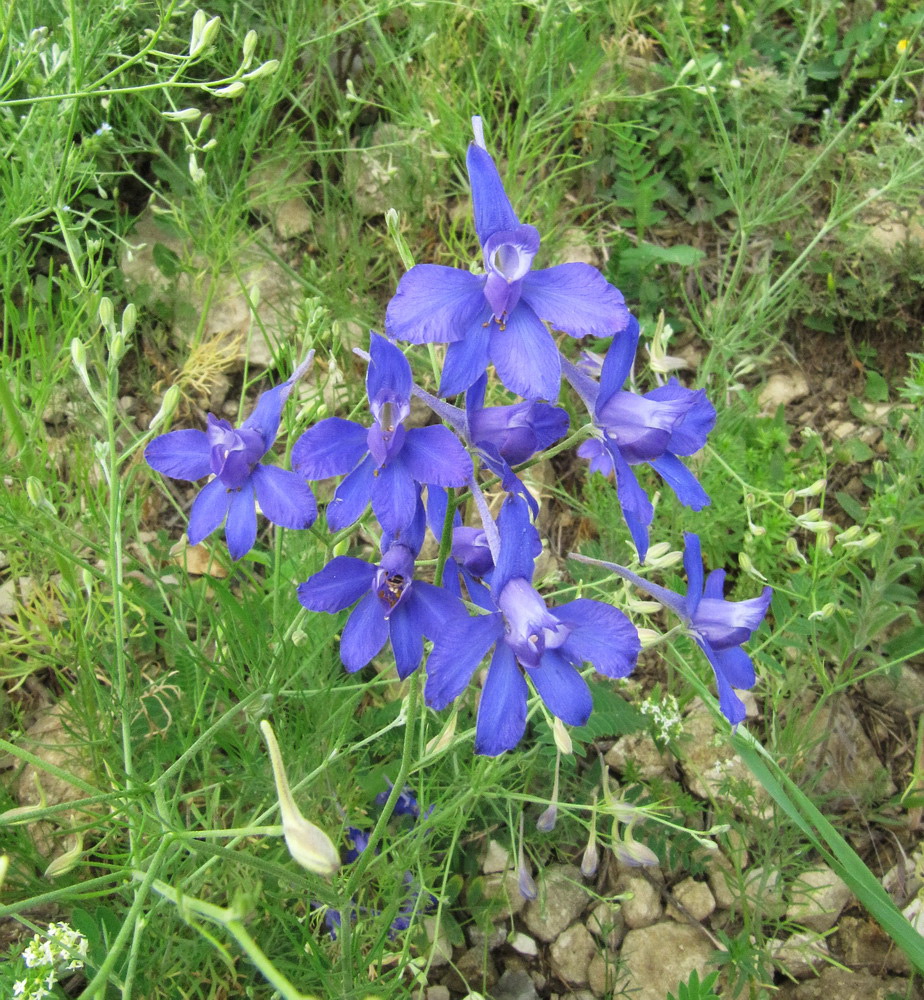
x=479 y=601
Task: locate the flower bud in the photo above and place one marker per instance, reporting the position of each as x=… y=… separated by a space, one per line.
x=849 y=535
x=525 y=881
x=129 y=319
x=167 y=406
x=65 y=862
x=824 y=612
x=250 y=44
x=744 y=561
x=591 y=858
x=234 y=89
x=789 y=498
x=648 y=637
x=901 y=46
x=264 y=69
x=36 y=495
x=308 y=844
x=439 y=743
x=814 y=489
x=548 y=819
x=864 y=543
x=631 y=852
x=185 y=115
x=202 y=38
x=562 y=739
x=757 y=530
x=792 y=549
x=106 y=312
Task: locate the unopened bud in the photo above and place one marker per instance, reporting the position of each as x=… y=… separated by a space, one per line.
x=167 y=406
x=106 y=312
x=562 y=737
x=203 y=32
x=648 y=637
x=444 y=740
x=234 y=89
x=308 y=844
x=792 y=549
x=757 y=530
x=631 y=852
x=591 y=859
x=849 y=535
x=547 y=819
x=642 y=607
x=184 y=115
x=817 y=527
x=129 y=319
x=116 y=349
x=864 y=543
x=525 y=881
x=744 y=561
x=824 y=612
x=813 y=490
x=36 y=495
x=63 y=863
x=264 y=69
x=789 y=498
x=250 y=44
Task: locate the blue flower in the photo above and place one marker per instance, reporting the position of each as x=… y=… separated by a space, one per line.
x=531 y=641
x=502 y=316
x=654 y=428
x=233 y=457
x=385 y=462
x=719 y=627
x=392 y=605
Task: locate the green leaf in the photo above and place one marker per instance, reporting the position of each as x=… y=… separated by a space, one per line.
x=877 y=389
x=851 y=506
x=648 y=253
x=166 y=260
x=906 y=644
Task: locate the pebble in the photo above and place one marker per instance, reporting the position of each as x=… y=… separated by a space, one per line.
x=607 y=923
x=571 y=954
x=523 y=944
x=644 y=907
x=602 y=975
x=561 y=900
x=496 y=858
x=695 y=898
x=515 y=984
x=642 y=752
x=657 y=959
x=800 y=954
x=782 y=389
x=818 y=897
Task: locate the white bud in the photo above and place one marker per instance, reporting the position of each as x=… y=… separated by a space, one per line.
x=757 y=530
x=186 y=115
x=744 y=561
x=308 y=844
x=209 y=29
x=789 y=498
x=167 y=406
x=195 y=171
x=824 y=612
x=62 y=864
x=814 y=489
x=129 y=319
x=561 y=736
x=250 y=44
x=648 y=637
x=851 y=534
x=865 y=543
x=264 y=69
x=439 y=743
x=106 y=312
x=232 y=90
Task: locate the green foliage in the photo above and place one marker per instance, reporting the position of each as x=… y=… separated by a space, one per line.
x=693 y=989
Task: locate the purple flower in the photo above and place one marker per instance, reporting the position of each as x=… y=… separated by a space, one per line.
x=385 y=462
x=502 y=316
x=392 y=606
x=531 y=641
x=719 y=627
x=233 y=457
x=654 y=428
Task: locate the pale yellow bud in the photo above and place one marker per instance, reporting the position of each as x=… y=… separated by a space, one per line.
x=444 y=740
x=561 y=736
x=232 y=90
x=308 y=844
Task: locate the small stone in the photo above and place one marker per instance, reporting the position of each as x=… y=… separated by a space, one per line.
x=782 y=389
x=440 y=950
x=764 y=891
x=601 y=975
x=843 y=429
x=607 y=923
x=473 y=968
x=697 y=901
x=657 y=959
x=571 y=954
x=800 y=954
x=561 y=900
x=818 y=897
x=901 y=689
x=863 y=943
x=272 y=188
x=490 y=938
x=497 y=896
x=496 y=859
x=641 y=751
x=644 y=906
x=523 y=944
x=723 y=880
x=515 y=984
x=437 y=993
x=844 y=985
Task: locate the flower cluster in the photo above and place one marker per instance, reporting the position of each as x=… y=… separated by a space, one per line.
x=420 y=478
x=48 y=958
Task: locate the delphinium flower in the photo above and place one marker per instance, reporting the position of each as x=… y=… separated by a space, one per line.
x=719 y=627
x=502 y=316
x=654 y=428
x=385 y=463
x=392 y=604
x=233 y=457
x=531 y=641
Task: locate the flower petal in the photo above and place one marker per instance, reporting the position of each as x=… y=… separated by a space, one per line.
x=737 y=667
x=388 y=371
x=562 y=688
x=180 y=455
x=691 y=432
x=338 y=585
x=284 y=497
x=241 y=526
x=434 y=455
x=208 y=511
x=636 y=507
x=729 y=623
x=502 y=711
x=685 y=485
x=601 y=635
x=365 y=633
x=516 y=545
x=352 y=496
x=617 y=365
x=576 y=299
x=435 y=304
x=332 y=447
x=394 y=496
x=266 y=414
x=467 y=359
x=433 y=607
x=492 y=209
x=457 y=651
x=731 y=705
x=406 y=637
x=525 y=355
x=693 y=567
